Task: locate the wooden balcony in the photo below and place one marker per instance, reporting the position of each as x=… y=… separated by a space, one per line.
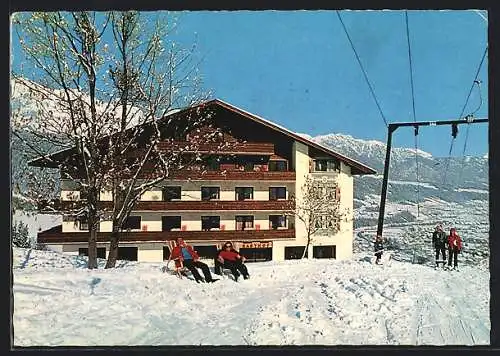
x=233 y=175
x=186 y=205
x=56 y=236
x=227 y=148
x=253 y=205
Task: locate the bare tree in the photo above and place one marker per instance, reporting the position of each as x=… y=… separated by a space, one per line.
x=318 y=208
x=60 y=85
x=109 y=100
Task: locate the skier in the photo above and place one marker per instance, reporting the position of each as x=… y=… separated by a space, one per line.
x=379 y=248
x=454 y=248
x=190 y=259
x=231 y=259
x=439 y=240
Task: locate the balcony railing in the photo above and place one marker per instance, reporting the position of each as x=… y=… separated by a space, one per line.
x=52 y=236
x=57 y=206
x=271 y=205
x=247 y=148
x=233 y=175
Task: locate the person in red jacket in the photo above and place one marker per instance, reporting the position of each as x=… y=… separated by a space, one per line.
x=454 y=247
x=232 y=260
x=185 y=255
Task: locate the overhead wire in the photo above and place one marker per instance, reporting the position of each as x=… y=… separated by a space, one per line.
x=414 y=111
x=478 y=82
x=462 y=113
x=362 y=68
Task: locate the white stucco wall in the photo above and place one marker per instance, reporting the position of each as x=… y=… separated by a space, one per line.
x=300 y=162
x=152 y=195
x=192 y=220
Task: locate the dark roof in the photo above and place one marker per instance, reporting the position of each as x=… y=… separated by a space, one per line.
x=356 y=167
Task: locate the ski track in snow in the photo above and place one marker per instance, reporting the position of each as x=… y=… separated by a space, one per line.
x=57 y=302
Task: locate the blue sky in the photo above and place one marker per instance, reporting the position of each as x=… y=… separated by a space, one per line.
x=297 y=68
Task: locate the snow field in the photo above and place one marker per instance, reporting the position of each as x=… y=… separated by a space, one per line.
x=58 y=302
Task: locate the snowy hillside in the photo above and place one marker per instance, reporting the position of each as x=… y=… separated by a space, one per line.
x=410 y=238
x=57 y=302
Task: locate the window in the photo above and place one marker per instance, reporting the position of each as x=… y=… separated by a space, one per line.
x=324 y=251
x=294 y=252
x=277 y=221
x=332 y=166
x=170 y=222
x=82 y=222
x=276 y=193
x=244 y=222
x=206 y=251
x=209 y=193
x=243 y=193
x=257 y=254
x=326 y=165
x=84 y=251
x=166 y=253
x=210 y=222
x=132 y=222
x=320 y=165
x=127 y=253
x=171 y=193
x=277 y=166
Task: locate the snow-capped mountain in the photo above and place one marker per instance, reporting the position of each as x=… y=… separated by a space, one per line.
x=450 y=179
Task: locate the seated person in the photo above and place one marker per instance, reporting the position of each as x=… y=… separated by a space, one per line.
x=188 y=258
x=229 y=258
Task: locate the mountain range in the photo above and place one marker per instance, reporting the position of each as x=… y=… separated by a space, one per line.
x=453 y=179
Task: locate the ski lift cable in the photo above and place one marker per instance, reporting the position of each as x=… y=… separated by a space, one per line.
x=362 y=68
x=478 y=82
x=414 y=112
x=463 y=110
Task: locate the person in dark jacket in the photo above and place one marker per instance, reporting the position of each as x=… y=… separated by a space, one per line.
x=378 y=248
x=229 y=258
x=454 y=248
x=440 y=241
x=188 y=257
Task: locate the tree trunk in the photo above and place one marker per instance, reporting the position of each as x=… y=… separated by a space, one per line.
x=113 y=249
x=307 y=245
x=92 y=222
x=92 y=264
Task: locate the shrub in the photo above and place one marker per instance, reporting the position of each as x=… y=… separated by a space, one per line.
x=20 y=235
